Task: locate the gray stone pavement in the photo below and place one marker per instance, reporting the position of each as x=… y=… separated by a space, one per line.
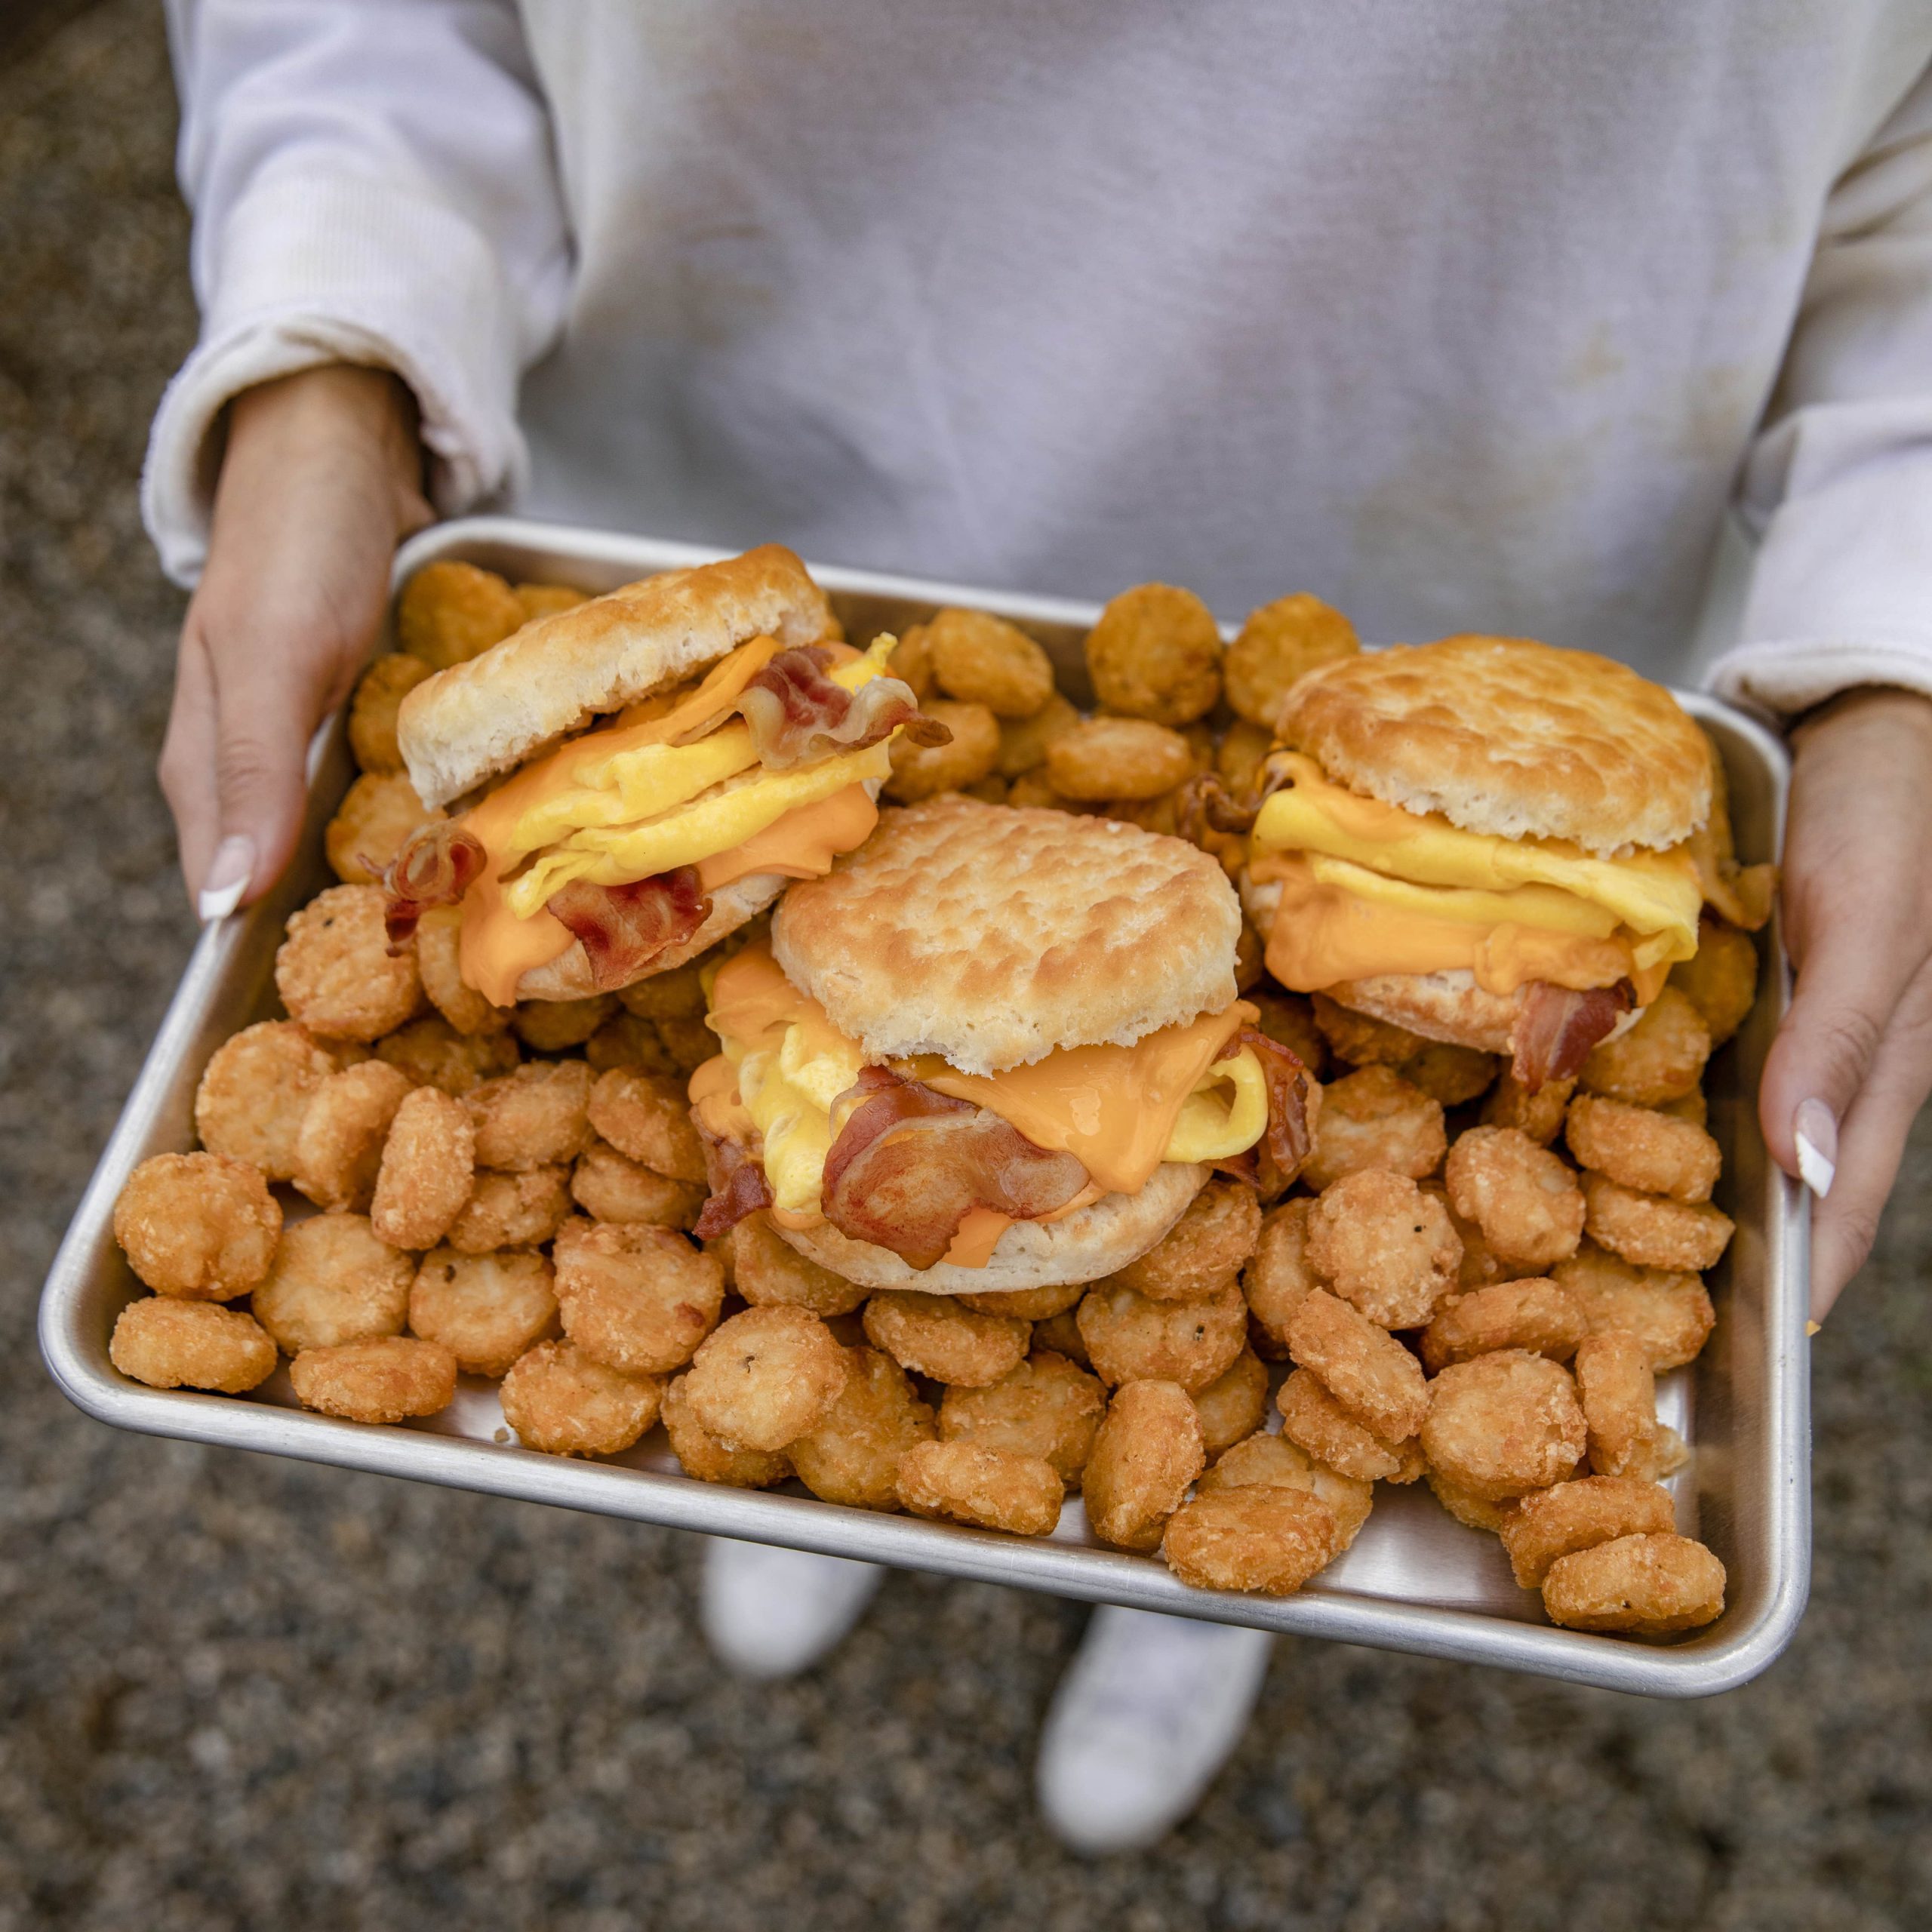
x=238 y=1693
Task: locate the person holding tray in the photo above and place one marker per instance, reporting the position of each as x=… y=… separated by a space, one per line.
x=1454 y=321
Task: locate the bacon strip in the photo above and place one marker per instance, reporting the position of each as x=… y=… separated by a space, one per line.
x=624 y=927
x=437 y=865
x=1294 y=1104
x=909 y=1163
x=798 y=715
x=1556 y=1026
x=738 y=1184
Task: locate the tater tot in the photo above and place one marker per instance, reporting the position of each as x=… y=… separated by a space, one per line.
x=687 y=1043
x=1480 y=1266
x=1360 y=1365
x=381 y=1381
x=1473 y=1511
x=637 y=1298
x=1204 y=1250
x=1360 y=1038
x=1534 y=1314
x=1278 y=643
x=609 y=1187
x=624 y=1040
x=1027 y=1304
x=1617 y=1389
x=1131 y=1338
x=1453 y=1076
x=1375 y=1118
x=1256 y=1537
x=1503 y=1424
x=1523 y=1196
x=1278 y=1274
x=1652 y=1231
x=1669 y=1312
x=934 y=1335
x=486 y=1310
x=767 y=1269
x=1315 y=1422
x=1660 y=1058
x=1643 y=1149
x=1102 y=759
x=1540 y=1114
x=1023 y=741
x=1691 y=1106
x=379 y=695
x=333 y=1281
x=428 y=1167
x=450 y=612
x=560 y=1401
x=512 y=1210
x=852 y=1456
x=545 y=600
x=1290 y=1018
x=1649 y=1584
x=1549 y=1523
x=338 y=1146
x=1033 y=791
x=700 y=1454
x=1233 y=1406
x=1240 y=753
x=1249 y=964
x=924 y=771
x=990 y=790
x=439 y=961
x=989 y=1489
x=334 y=970
x=1047 y=1406
x=252 y=1097
x=171 y=1344
x=1156 y=654
x=1060 y=1333
x=555 y=1026
x=536 y=1117
x=765 y=1376
x=201 y=1226
x=648 y=1117
x=911 y=661
x=1721 y=979
x=372 y=825
x=676 y=994
x=1148 y=1449
x=1380 y=1243
x=1274 y=1462
x=433 y=1053
x=980 y=659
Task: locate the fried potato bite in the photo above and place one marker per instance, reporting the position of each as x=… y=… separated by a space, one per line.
x=1524 y=1198
x=911 y=661
x=545 y=600
x=1720 y=978
x=626 y=1041
x=433 y=1053
x=1691 y=1106
x=335 y=973
x=333 y=1282
x=1380 y=1243
x=1642 y=1148
x=648 y=1117
x=1277 y=1274
x=1156 y=654
x=1552 y=1523
x=1653 y=1231
x=439 y=961
x=924 y=771
x=1033 y=791
x=1061 y=1333
x=1473 y=1511
x=338 y=1146
x=1048 y=1407
x=555 y=1026
x=1360 y=1039
x=687 y=1043
x=1023 y=741
x=700 y=1454
x=1233 y=1405
x=677 y=995
x=1540 y=1114
x=1258 y=1537
x=372 y=825
x=379 y=695
x=1278 y=643
x=449 y=612
x=1130 y=1338
x=1535 y=1314
x=1661 y=1057
x=253 y=1094
x=200 y=1226
x=486 y=1309
x=934 y=1335
x=1480 y=1266
x=1504 y=1424
x=1275 y=1462
x=1649 y=1585
x=513 y=1210
x=1148 y=1449
x=560 y=1401
x=171 y=1344
x=1375 y=1118
x=1360 y=1365
x=608 y=1187
x=635 y=1297
x=536 y=1117
x=1118 y=759
x=1204 y=1250
x=428 y=1167
x=766 y=1376
x=980 y=659
x=1026 y=1304
x=852 y=1456
x=1453 y=1075
x=1618 y=1390
x=1316 y=1422
x=988 y=1488
x=1670 y=1313
x=766 y=1269
x=381 y=1381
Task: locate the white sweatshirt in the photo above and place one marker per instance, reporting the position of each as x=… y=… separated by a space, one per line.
x=1463 y=314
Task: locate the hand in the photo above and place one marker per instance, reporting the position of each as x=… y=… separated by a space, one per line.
x=1852 y=1063
x=322 y=477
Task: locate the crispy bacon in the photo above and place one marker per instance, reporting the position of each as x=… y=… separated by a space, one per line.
x=1294 y=1104
x=738 y=1184
x=909 y=1162
x=1207 y=805
x=1556 y=1026
x=624 y=927
x=436 y=866
x=797 y=714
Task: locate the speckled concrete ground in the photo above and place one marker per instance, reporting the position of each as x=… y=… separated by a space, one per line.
x=237 y=1693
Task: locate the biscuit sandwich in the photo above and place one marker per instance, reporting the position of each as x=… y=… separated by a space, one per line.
x=994 y=1049
x=633 y=777
x=1487 y=841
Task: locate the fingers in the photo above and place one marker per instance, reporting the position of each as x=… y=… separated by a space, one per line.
x=186 y=769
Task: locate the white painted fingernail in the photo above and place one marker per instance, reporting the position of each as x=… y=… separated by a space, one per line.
x=1817 y=1133
x=227 y=878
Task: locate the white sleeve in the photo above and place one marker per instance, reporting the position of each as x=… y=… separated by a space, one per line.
x=372 y=181
x=1838 y=485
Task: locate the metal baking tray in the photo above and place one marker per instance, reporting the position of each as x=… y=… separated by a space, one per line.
x=1415 y=1579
